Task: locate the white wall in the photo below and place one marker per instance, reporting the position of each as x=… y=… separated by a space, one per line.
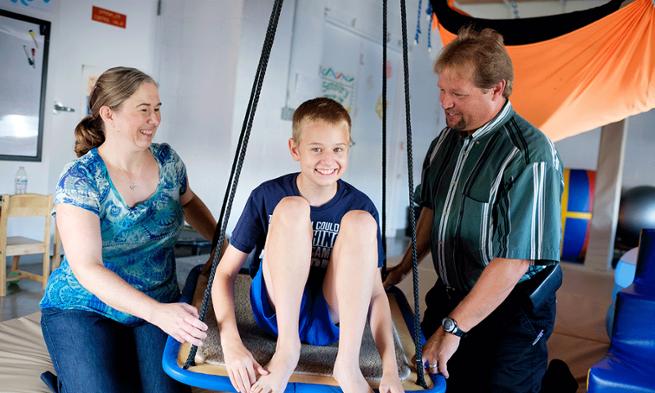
x=76 y=40
x=267 y=154
x=573 y=156
x=204 y=54
x=581 y=151
x=639 y=157
x=199 y=46
x=209 y=149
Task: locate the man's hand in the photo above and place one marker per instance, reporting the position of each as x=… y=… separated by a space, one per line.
x=438 y=350
x=396 y=274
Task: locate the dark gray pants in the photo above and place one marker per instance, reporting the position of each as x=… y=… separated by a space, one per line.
x=505 y=353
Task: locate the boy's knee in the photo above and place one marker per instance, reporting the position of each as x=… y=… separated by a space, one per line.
x=360 y=222
x=292 y=209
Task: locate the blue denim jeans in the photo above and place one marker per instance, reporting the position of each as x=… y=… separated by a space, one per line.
x=92 y=353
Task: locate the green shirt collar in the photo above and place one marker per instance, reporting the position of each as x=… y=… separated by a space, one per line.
x=505 y=113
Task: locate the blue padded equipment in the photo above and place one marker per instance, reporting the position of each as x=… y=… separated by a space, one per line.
x=623 y=276
x=629 y=365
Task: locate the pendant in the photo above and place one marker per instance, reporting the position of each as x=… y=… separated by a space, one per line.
x=132 y=186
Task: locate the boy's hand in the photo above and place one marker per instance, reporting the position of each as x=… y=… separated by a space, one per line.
x=242 y=368
x=390 y=383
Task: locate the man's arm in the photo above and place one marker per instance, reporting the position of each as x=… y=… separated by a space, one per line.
x=381 y=328
x=423 y=231
x=495 y=284
x=492 y=288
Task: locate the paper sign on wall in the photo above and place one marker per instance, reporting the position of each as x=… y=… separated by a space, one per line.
x=109 y=17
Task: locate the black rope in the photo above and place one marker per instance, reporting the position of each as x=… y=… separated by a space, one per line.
x=241 y=153
x=412 y=220
x=258 y=80
x=384 y=135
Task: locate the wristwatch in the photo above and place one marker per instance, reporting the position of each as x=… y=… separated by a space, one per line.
x=449 y=325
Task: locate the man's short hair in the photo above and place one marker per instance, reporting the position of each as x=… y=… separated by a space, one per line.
x=483 y=54
x=320 y=108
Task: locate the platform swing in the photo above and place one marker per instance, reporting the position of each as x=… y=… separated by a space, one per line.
x=205 y=368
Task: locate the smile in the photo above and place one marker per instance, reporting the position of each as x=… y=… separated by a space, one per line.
x=146 y=132
x=326 y=172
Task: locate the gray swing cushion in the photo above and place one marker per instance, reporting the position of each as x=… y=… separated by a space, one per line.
x=314 y=360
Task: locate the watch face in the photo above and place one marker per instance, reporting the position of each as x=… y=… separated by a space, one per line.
x=448 y=324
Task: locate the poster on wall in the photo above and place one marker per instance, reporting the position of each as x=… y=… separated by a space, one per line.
x=41 y=5
x=24 y=43
x=338 y=85
x=340 y=79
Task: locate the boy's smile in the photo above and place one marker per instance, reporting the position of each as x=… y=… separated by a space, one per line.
x=323 y=156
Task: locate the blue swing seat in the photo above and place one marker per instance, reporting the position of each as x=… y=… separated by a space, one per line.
x=203 y=376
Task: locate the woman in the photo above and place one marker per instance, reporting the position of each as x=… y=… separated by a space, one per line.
x=120 y=206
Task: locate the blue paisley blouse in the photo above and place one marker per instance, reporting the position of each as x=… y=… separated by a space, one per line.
x=137 y=241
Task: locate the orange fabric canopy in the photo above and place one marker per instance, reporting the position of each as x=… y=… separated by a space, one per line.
x=596 y=75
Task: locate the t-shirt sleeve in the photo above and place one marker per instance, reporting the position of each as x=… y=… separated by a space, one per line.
x=249 y=229
x=179 y=168
x=529 y=220
x=77 y=187
x=381 y=256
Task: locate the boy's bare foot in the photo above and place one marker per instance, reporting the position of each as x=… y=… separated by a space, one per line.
x=350 y=377
x=280 y=368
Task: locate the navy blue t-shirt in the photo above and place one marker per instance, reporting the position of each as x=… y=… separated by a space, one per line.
x=252 y=227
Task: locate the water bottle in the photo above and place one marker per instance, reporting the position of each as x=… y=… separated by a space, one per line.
x=21 y=181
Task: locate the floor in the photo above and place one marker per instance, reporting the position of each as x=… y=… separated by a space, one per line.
x=23 y=298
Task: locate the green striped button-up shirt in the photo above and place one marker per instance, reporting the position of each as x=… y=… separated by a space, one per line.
x=495 y=194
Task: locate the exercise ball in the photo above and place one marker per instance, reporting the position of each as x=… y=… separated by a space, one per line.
x=636 y=211
x=577 y=203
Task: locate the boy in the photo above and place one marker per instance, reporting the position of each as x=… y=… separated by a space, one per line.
x=319 y=274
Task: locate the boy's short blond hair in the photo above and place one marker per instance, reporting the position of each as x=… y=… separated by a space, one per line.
x=320 y=108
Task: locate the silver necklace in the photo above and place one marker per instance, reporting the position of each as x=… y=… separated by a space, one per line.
x=132 y=186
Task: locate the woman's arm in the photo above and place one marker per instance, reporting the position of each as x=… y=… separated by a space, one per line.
x=197 y=214
x=80 y=235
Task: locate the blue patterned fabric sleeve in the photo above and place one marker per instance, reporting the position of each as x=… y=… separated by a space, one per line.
x=77 y=187
x=167 y=153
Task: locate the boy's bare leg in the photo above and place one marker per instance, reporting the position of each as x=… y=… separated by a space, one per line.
x=287 y=259
x=348 y=288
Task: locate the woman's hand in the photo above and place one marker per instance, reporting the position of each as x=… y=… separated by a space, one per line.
x=180 y=321
x=242 y=368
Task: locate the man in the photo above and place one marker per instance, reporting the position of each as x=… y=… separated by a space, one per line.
x=490 y=198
